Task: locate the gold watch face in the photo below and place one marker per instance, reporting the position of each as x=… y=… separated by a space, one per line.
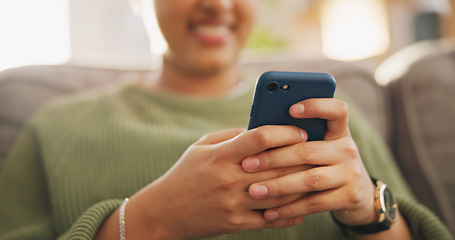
x=389 y=205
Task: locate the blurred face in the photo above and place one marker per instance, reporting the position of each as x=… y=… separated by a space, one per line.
x=204 y=36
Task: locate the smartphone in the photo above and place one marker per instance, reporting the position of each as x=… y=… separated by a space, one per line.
x=277 y=91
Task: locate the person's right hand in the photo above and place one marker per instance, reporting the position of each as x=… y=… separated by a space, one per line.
x=205 y=193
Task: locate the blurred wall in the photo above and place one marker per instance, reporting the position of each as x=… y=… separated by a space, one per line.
x=107 y=33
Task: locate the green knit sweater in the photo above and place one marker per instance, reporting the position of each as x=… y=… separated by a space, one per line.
x=79 y=158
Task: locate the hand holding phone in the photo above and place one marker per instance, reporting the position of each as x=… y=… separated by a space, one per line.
x=277 y=91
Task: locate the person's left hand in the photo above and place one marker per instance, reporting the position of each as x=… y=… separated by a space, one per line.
x=338 y=182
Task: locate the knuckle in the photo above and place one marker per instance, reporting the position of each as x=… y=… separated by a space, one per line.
x=343 y=107
x=203 y=138
x=357 y=173
x=234 y=223
x=313 y=181
x=219 y=154
x=351 y=150
x=262 y=136
x=281 y=172
x=230 y=205
x=238 y=130
x=313 y=207
x=306 y=152
x=227 y=180
x=354 y=198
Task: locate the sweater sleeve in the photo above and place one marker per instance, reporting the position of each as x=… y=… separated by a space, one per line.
x=87 y=225
x=26 y=211
x=381 y=164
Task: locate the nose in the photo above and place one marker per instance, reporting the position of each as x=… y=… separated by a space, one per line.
x=217 y=6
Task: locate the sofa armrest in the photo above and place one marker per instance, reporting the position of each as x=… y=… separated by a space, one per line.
x=423 y=85
x=24 y=89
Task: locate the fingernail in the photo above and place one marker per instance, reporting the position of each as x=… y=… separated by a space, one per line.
x=298 y=110
x=250 y=164
x=304 y=135
x=258 y=191
x=301 y=108
x=271 y=215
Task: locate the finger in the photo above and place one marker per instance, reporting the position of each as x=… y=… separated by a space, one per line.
x=314 y=203
x=284 y=223
x=276 y=173
x=341 y=199
x=220 y=136
x=312 y=180
x=273 y=202
x=260 y=139
x=256 y=221
x=310 y=153
x=334 y=110
x=264 y=176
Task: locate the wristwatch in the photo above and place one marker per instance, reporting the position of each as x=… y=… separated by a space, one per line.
x=386 y=209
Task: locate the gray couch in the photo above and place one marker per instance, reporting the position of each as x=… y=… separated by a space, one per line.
x=414 y=113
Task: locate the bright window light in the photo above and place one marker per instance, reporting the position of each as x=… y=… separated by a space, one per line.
x=354 y=29
x=34 y=32
x=158 y=44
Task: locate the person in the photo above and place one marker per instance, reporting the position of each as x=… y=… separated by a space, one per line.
x=169 y=159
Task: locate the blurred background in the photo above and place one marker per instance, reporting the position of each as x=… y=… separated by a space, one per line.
x=106 y=33
x=413 y=109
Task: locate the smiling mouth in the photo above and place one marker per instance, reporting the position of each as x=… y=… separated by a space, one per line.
x=212 y=34
x=212 y=31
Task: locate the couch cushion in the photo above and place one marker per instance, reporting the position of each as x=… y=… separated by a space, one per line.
x=24 y=89
x=424 y=113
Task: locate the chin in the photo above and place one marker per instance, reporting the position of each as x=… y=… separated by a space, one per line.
x=216 y=61
x=204 y=64
x=207 y=68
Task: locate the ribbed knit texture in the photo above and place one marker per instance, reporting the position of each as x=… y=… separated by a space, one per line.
x=78 y=159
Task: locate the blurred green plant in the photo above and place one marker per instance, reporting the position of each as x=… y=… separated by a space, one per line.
x=262 y=37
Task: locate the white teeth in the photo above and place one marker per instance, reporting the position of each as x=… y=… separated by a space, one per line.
x=212 y=30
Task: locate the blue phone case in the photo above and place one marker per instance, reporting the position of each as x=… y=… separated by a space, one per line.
x=277 y=91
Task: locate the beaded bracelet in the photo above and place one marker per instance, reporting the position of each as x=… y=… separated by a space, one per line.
x=121 y=219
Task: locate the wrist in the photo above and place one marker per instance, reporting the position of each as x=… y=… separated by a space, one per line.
x=385 y=208
x=364 y=214
x=143 y=221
